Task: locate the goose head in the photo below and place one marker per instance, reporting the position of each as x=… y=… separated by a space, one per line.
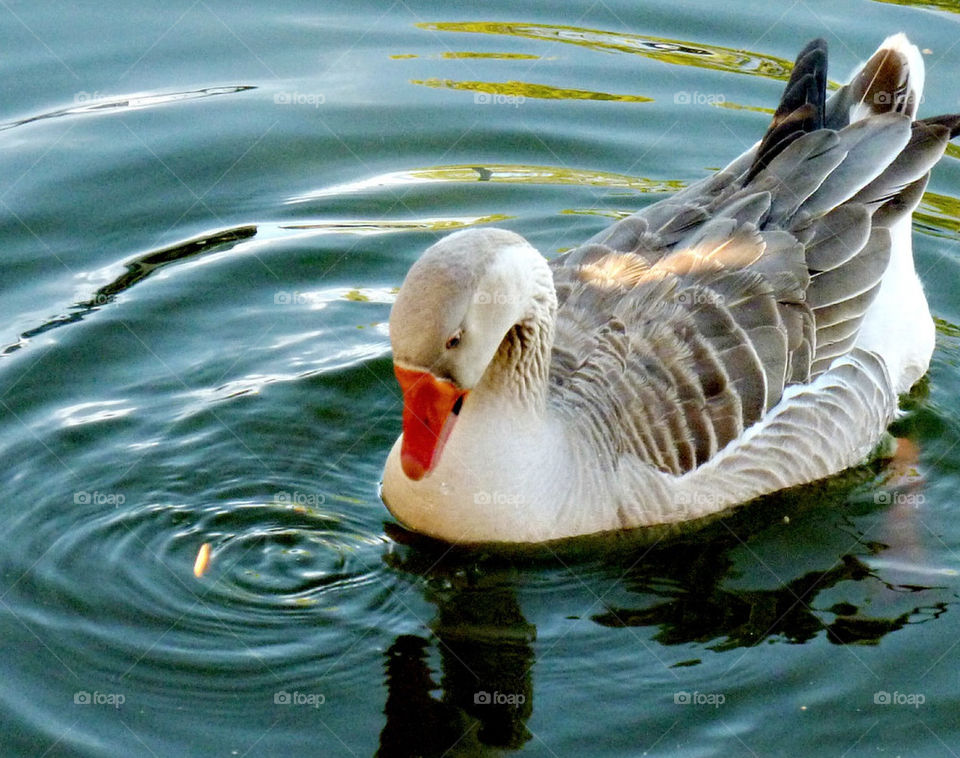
x=457 y=305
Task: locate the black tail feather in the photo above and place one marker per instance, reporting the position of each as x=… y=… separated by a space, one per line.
x=951 y=121
x=801 y=108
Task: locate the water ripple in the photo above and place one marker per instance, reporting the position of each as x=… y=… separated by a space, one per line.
x=94 y=102
x=666 y=50
x=498 y=173
x=126 y=573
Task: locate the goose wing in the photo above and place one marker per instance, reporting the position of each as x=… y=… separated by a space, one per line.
x=680 y=327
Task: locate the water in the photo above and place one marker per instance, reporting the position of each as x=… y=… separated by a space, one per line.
x=204 y=214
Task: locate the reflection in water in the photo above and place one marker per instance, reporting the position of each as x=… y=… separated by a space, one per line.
x=705 y=611
x=938 y=215
x=522 y=90
x=487 y=693
x=140 y=268
x=86 y=102
x=689 y=588
x=941 y=5
x=417 y=724
x=500 y=173
x=137 y=270
x=385 y=226
x=489 y=56
x=485 y=643
x=947 y=328
x=664 y=50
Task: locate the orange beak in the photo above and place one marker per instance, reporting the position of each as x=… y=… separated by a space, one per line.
x=430 y=408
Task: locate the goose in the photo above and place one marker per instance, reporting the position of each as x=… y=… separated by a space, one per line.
x=751 y=333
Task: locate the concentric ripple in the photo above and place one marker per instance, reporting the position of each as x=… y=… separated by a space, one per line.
x=287 y=585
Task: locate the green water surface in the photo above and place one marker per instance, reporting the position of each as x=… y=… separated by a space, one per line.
x=205 y=211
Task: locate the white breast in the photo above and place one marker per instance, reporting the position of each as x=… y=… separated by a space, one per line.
x=897 y=326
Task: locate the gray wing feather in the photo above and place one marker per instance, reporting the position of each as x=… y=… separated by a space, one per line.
x=869 y=146
x=825 y=427
x=799 y=170
x=855 y=276
x=837 y=237
x=926 y=145
x=681 y=329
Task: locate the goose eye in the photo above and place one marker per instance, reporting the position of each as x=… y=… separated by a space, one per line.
x=454 y=340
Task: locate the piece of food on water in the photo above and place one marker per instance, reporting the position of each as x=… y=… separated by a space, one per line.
x=203 y=559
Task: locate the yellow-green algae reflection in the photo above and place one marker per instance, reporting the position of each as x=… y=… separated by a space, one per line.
x=665 y=50
x=939 y=215
x=450 y=55
x=507 y=173
x=953 y=6
x=524 y=90
x=670 y=51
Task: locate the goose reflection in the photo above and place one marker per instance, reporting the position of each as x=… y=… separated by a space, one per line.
x=688 y=586
x=486 y=653
x=135 y=271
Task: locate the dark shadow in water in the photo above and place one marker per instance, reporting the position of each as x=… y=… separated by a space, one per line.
x=704 y=611
x=137 y=270
x=685 y=579
x=86 y=102
x=486 y=660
